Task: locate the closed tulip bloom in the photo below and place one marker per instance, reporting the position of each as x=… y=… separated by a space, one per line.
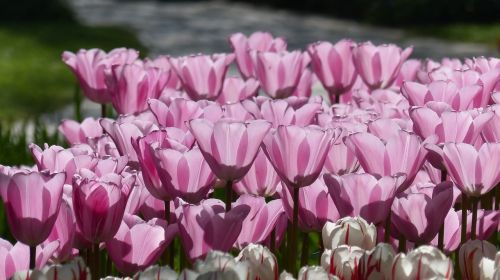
x=32 y=201
x=163 y=62
x=184 y=174
x=491 y=131
x=298 y=153
x=489 y=269
x=342 y=261
x=64 y=232
x=261 y=179
x=202 y=76
x=131 y=85
x=89 y=67
x=425 y=262
x=77 y=133
x=419 y=216
x=333 y=65
x=177 y=113
x=363 y=195
x=475 y=171
x=261 y=261
x=219 y=265
x=244 y=47
x=379 y=66
x=139 y=244
x=99 y=204
x=280 y=112
x=260 y=221
x=340 y=159
x=376 y=263
x=349 y=231
x=157 y=272
x=236 y=89
x=279 y=73
x=73 y=270
x=316 y=207
x=315 y=272
x=452 y=226
x=208 y=226
x=470 y=255
x=229 y=147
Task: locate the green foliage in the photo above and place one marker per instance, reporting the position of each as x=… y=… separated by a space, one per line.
x=477 y=33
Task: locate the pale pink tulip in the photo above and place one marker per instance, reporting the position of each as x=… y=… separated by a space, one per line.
x=64 y=232
x=236 y=89
x=261 y=179
x=163 y=62
x=77 y=133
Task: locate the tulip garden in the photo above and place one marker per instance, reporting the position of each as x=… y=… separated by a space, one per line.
x=344 y=160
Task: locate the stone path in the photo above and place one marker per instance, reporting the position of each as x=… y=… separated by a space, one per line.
x=179 y=28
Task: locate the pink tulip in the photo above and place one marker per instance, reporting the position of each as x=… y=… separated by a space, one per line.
x=139 y=244
x=63 y=232
x=315 y=205
x=279 y=73
x=340 y=159
x=451 y=237
x=491 y=131
x=475 y=171
x=236 y=89
x=304 y=87
x=77 y=133
x=298 y=153
x=99 y=204
x=202 y=76
x=261 y=179
x=363 y=195
x=89 y=67
x=177 y=113
x=236 y=112
x=379 y=66
x=244 y=47
x=419 y=216
x=404 y=153
x=229 y=147
x=131 y=85
x=207 y=226
x=260 y=221
x=279 y=112
x=408 y=72
x=333 y=66
x=32 y=201
x=163 y=62
x=184 y=174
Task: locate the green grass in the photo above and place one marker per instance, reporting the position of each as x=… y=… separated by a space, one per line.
x=488 y=34
x=33 y=79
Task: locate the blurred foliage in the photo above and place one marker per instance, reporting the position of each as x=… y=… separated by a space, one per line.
x=477 y=33
x=35 y=10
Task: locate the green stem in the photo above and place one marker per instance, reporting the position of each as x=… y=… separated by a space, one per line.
x=95 y=259
x=78 y=100
x=444 y=175
x=104 y=111
x=273 y=241
x=474 y=201
x=402 y=244
x=304 y=259
x=32 y=257
x=387 y=233
x=229 y=195
x=295 y=228
x=166 y=256
x=464 y=219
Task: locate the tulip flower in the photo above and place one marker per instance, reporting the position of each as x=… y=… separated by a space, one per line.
x=64 y=232
x=218 y=265
x=489 y=269
x=491 y=131
x=279 y=112
x=202 y=76
x=376 y=263
x=207 y=226
x=244 y=47
x=315 y=272
x=163 y=62
x=139 y=244
x=425 y=262
x=349 y=231
x=304 y=87
x=379 y=66
x=73 y=270
x=236 y=89
x=333 y=66
x=90 y=65
x=260 y=260
x=279 y=73
x=363 y=195
x=452 y=228
x=342 y=261
x=470 y=255
x=261 y=179
x=177 y=113
x=77 y=133
x=340 y=159
x=157 y=272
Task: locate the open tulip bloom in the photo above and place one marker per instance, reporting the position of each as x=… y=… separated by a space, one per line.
x=228 y=166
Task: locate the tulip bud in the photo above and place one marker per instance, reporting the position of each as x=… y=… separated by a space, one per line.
x=261 y=261
x=219 y=265
x=425 y=262
x=470 y=256
x=349 y=231
x=157 y=272
x=342 y=261
x=315 y=272
x=376 y=263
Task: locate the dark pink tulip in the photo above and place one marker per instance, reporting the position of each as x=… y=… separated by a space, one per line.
x=261 y=179
x=236 y=89
x=449 y=126
x=419 y=216
x=131 y=85
x=124 y=131
x=32 y=201
x=316 y=207
x=229 y=147
x=177 y=113
x=63 y=232
x=441 y=91
x=260 y=221
x=475 y=171
x=202 y=76
x=89 y=67
x=279 y=73
x=207 y=227
x=77 y=133
x=379 y=66
x=99 y=204
x=163 y=62
x=244 y=47
x=16 y=258
x=298 y=153
x=363 y=195
x=333 y=66
x=404 y=153
x=139 y=244
x=184 y=174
